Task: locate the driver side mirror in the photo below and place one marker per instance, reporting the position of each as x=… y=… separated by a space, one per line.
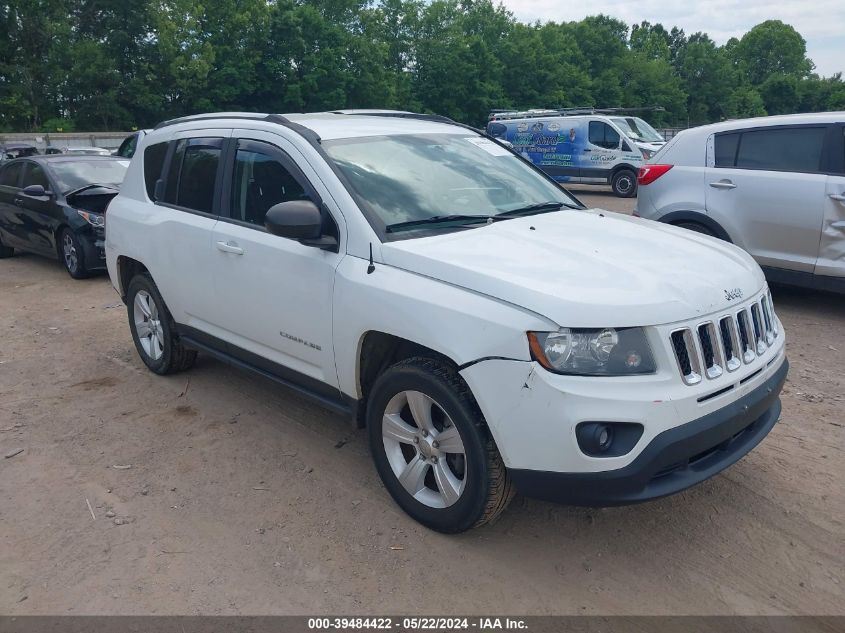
x=36 y=191
x=299 y=220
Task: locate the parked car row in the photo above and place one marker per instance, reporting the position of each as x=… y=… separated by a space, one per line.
x=490 y=332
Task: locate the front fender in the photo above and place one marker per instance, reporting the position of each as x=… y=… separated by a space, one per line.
x=460 y=324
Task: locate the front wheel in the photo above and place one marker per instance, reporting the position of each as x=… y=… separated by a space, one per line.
x=73 y=257
x=152 y=329
x=624 y=183
x=432 y=448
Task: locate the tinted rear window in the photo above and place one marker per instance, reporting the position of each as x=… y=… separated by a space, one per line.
x=725 y=146
x=153 y=164
x=796 y=149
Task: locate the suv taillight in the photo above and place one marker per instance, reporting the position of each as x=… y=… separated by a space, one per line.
x=650 y=173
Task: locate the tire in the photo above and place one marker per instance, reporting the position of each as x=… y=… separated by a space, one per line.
x=72 y=254
x=5 y=251
x=157 y=344
x=696 y=227
x=452 y=491
x=624 y=183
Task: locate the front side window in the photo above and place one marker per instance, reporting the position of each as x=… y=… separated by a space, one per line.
x=602 y=135
x=10 y=175
x=73 y=174
x=797 y=149
x=193 y=174
x=412 y=177
x=35 y=175
x=260 y=181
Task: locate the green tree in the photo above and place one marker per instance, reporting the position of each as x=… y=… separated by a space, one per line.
x=772 y=47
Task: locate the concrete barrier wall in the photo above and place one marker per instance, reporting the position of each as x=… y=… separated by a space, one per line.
x=108 y=140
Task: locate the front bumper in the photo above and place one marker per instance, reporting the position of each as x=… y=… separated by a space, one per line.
x=94 y=247
x=674 y=460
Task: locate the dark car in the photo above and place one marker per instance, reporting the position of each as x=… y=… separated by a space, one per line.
x=10 y=151
x=55 y=206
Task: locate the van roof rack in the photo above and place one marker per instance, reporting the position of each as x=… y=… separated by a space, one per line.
x=537 y=113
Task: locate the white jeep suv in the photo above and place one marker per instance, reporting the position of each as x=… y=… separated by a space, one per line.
x=490 y=332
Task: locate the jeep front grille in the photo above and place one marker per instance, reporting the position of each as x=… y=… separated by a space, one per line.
x=713 y=347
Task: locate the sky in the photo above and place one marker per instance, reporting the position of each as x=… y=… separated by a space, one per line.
x=820 y=22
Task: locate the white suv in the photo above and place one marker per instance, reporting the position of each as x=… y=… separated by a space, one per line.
x=774 y=186
x=490 y=332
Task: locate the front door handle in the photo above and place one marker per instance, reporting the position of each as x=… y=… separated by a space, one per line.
x=839 y=225
x=723 y=184
x=18 y=202
x=837 y=196
x=230 y=247
x=587 y=149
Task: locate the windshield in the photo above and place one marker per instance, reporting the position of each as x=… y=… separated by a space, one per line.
x=411 y=177
x=78 y=173
x=638 y=130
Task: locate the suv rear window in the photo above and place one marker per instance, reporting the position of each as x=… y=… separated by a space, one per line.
x=193 y=173
x=153 y=164
x=796 y=149
x=725 y=146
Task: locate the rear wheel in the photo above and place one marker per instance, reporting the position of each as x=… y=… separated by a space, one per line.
x=624 y=183
x=432 y=448
x=72 y=254
x=696 y=227
x=153 y=328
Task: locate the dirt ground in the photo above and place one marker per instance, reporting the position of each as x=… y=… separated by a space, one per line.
x=218 y=492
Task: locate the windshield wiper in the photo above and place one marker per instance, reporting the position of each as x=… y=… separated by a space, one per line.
x=540 y=207
x=440 y=219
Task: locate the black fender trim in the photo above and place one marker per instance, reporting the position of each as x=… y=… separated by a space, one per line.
x=699 y=218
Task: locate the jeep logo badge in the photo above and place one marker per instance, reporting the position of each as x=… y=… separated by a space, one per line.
x=735 y=293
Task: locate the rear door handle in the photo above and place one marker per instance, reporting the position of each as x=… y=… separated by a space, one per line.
x=230 y=247
x=587 y=150
x=18 y=202
x=837 y=196
x=723 y=184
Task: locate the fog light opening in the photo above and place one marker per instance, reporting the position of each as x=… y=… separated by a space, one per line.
x=607 y=439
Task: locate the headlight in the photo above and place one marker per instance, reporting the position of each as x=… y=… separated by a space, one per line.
x=593 y=352
x=647 y=153
x=94 y=219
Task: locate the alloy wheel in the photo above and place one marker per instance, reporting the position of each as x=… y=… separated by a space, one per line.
x=424 y=449
x=148 y=325
x=69 y=252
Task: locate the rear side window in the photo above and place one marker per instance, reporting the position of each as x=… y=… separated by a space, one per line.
x=797 y=149
x=153 y=164
x=602 y=135
x=192 y=176
x=725 y=149
x=10 y=175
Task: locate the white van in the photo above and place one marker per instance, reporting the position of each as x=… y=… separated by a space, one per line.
x=580 y=148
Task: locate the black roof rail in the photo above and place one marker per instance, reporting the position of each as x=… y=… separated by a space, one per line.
x=210 y=117
x=310 y=135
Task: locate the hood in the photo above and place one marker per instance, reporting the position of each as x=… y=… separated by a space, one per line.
x=587 y=268
x=650 y=146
